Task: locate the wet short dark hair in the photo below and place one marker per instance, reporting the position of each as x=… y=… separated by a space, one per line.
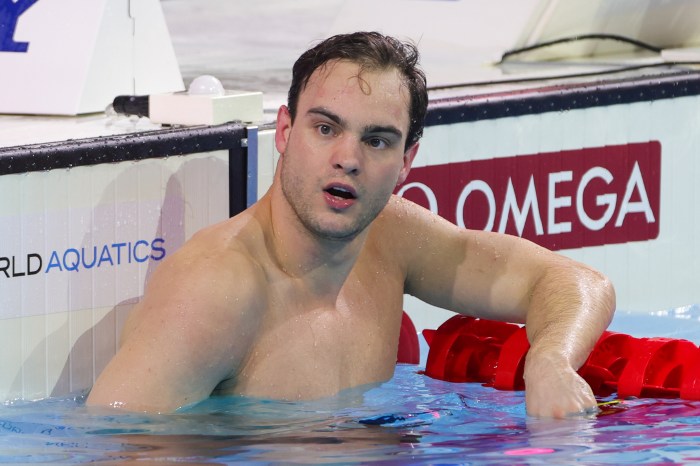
x=372 y=51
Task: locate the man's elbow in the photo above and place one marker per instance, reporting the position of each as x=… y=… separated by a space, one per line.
x=601 y=288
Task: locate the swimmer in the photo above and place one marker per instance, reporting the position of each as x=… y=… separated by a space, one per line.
x=301 y=295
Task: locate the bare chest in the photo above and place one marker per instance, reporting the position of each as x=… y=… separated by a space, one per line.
x=304 y=351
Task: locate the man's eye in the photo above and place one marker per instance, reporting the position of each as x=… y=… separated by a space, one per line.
x=377 y=143
x=325 y=130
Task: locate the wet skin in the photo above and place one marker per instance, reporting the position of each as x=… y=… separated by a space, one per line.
x=301 y=295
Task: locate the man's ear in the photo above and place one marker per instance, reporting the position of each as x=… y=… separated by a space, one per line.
x=408 y=157
x=283 y=126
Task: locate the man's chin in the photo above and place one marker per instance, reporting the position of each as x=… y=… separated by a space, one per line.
x=337 y=235
x=337 y=232
x=340 y=228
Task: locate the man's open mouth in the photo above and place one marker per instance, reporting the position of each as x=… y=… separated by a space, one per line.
x=340 y=192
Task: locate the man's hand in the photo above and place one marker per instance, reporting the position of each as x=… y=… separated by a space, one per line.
x=553 y=389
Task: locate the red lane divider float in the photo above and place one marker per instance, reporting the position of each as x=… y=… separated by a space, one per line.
x=465 y=349
x=409 y=347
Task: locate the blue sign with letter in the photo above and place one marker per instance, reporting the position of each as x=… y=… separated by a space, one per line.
x=10 y=11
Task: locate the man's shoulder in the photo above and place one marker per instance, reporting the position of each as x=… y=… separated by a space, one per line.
x=398 y=226
x=406 y=228
x=233 y=239
x=401 y=216
x=218 y=257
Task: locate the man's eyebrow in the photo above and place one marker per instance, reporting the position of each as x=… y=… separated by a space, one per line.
x=373 y=129
x=328 y=114
x=369 y=129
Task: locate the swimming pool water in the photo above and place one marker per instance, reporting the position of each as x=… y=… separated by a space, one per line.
x=410 y=419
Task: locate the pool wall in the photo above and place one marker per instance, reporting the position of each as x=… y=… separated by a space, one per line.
x=602 y=172
x=83 y=225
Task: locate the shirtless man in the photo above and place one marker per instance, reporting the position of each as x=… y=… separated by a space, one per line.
x=301 y=295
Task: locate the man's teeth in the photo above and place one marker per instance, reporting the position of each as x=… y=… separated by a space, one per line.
x=340 y=192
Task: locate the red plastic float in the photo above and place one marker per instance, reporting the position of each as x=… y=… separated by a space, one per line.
x=409 y=348
x=465 y=349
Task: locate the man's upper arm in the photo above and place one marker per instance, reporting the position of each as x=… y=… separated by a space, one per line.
x=466 y=271
x=190 y=331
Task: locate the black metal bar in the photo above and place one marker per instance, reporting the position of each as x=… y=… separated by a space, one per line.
x=562 y=98
x=110 y=149
x=237 y=178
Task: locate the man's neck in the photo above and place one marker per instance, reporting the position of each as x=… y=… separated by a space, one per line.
x=321 y=264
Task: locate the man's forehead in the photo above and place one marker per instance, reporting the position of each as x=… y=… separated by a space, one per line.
x=355 y=74
x=339 y=75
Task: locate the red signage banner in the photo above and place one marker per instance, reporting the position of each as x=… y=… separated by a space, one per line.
x=560 y=200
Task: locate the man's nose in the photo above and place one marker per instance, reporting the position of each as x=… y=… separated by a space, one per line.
x=347 y=156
